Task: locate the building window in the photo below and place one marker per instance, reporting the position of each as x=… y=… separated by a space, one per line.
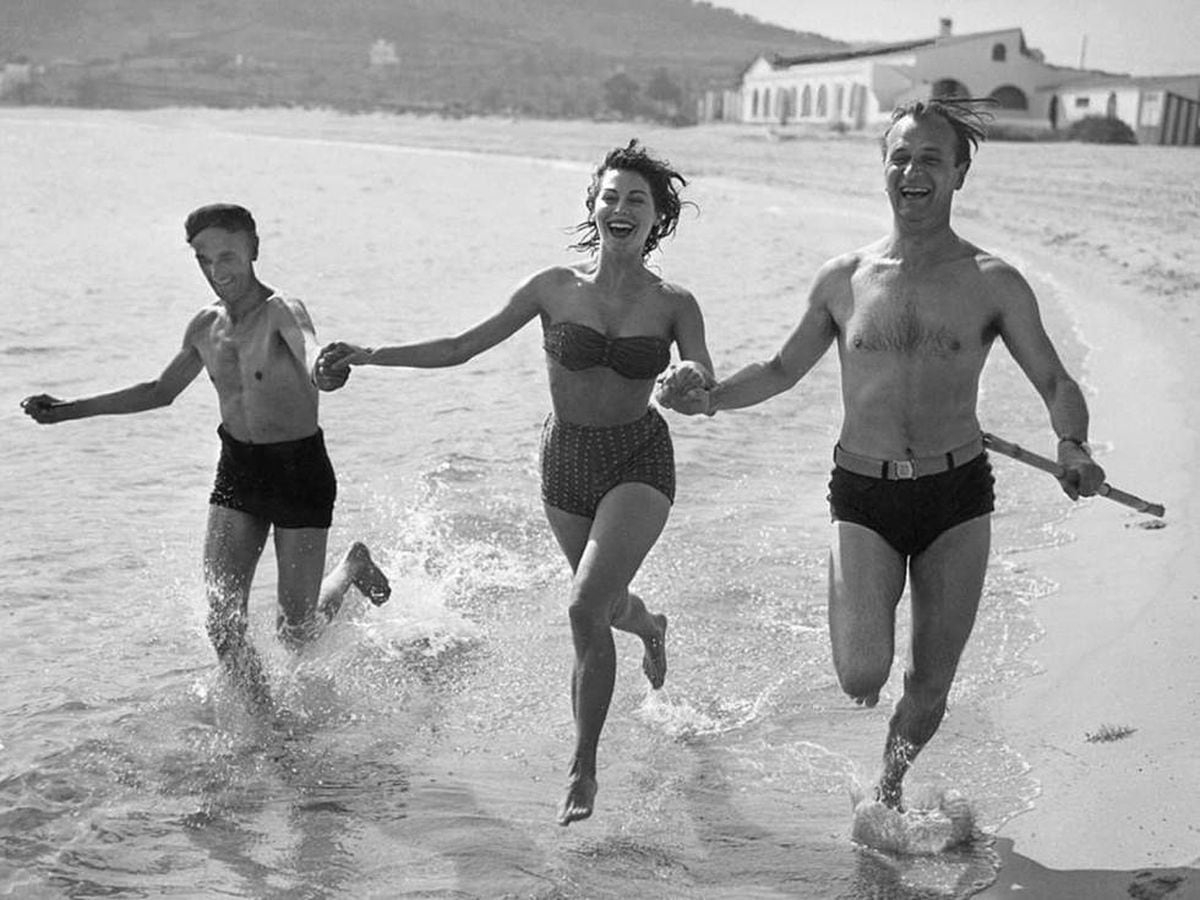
x=1082 y=102
x=754 y=104
x=1010 y=97
x=999 y=52
x=806 y=102
x=839 y=101
x=822 y=103
x=766 y=107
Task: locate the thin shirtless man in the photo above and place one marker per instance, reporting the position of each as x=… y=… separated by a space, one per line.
x=259 y=349
x=914 y=316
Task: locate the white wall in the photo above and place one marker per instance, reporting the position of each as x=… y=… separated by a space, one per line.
x=893 y=78
x=1079 y=103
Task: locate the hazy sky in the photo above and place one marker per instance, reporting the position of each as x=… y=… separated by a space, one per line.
x=1141 y=37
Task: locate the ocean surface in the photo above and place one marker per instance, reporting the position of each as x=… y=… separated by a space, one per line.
x=420 y=749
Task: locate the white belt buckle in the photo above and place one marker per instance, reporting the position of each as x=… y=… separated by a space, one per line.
x=905 y=468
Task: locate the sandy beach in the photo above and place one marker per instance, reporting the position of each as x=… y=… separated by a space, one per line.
x=1122 y=630
x=1109 y=724
x=1119 y=648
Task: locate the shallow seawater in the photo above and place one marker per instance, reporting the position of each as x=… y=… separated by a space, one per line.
x=420 y=749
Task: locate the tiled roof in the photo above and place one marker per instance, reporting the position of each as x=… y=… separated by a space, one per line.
x=783 y=62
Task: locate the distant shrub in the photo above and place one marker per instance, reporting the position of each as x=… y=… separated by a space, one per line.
x=1101 y=130
x=1014 y=131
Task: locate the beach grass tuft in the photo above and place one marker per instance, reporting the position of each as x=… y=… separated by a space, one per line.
x=1108 y=733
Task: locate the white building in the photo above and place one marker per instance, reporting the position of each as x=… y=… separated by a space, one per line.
x=383 y=54
x=1163 y=110
x=859 y=88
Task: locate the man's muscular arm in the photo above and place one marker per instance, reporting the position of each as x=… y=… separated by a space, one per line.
x=806 y=344
x=161 y=391
x=1021 y=329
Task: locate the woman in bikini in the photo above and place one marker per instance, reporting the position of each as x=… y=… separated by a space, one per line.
x=608 y=471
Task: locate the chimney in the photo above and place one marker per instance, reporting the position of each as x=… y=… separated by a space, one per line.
x=945 y=26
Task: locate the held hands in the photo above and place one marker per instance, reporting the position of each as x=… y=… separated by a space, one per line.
x=44 y=409
x=1082 y=476
x=333 y=364
x=685 y=388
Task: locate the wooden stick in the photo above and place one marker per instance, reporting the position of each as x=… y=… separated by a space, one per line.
x=1019 y=453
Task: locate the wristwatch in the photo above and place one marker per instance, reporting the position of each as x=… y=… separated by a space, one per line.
x=1082 y=445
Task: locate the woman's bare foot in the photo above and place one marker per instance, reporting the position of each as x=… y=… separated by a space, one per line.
x=654 y=662
x=581 y=795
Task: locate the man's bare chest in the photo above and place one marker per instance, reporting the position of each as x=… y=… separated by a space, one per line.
x=243 y=354
x=910 y=317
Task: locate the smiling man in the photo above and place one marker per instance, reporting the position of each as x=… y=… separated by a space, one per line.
x=259 y=349
x=914 y=316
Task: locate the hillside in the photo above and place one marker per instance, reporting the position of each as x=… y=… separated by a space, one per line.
x=538 y=57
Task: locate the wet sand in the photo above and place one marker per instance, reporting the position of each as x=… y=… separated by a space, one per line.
x=1122 y=632
x=1120 y=653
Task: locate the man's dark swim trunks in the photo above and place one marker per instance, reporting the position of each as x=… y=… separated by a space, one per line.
x=582 y=463
x=910 y=513
x=291 y=484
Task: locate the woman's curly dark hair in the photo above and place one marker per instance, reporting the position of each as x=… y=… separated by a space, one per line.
x=665 y=184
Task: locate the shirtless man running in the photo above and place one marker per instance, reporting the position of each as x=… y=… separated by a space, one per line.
x=914 y=316
x=258 y=348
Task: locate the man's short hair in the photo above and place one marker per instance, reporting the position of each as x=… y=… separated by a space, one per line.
x=964 y=114
x=228 y=216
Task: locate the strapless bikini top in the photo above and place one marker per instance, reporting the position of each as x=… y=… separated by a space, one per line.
x=578 y=347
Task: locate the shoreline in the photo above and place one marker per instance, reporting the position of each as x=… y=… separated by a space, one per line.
x=1107 y=259
x=1121 y=631
x=1118 y=649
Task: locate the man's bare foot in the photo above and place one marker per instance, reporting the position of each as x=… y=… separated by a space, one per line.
x=366 y=576
x=654 y=662
x=581 y=795
x=898 y=755
x=295 y=636
x=888 y=792
x=245 y=669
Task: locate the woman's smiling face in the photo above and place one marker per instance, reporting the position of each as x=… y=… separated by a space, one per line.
x=624 y=211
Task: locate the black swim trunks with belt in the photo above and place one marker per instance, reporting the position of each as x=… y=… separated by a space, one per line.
x=911 y=502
